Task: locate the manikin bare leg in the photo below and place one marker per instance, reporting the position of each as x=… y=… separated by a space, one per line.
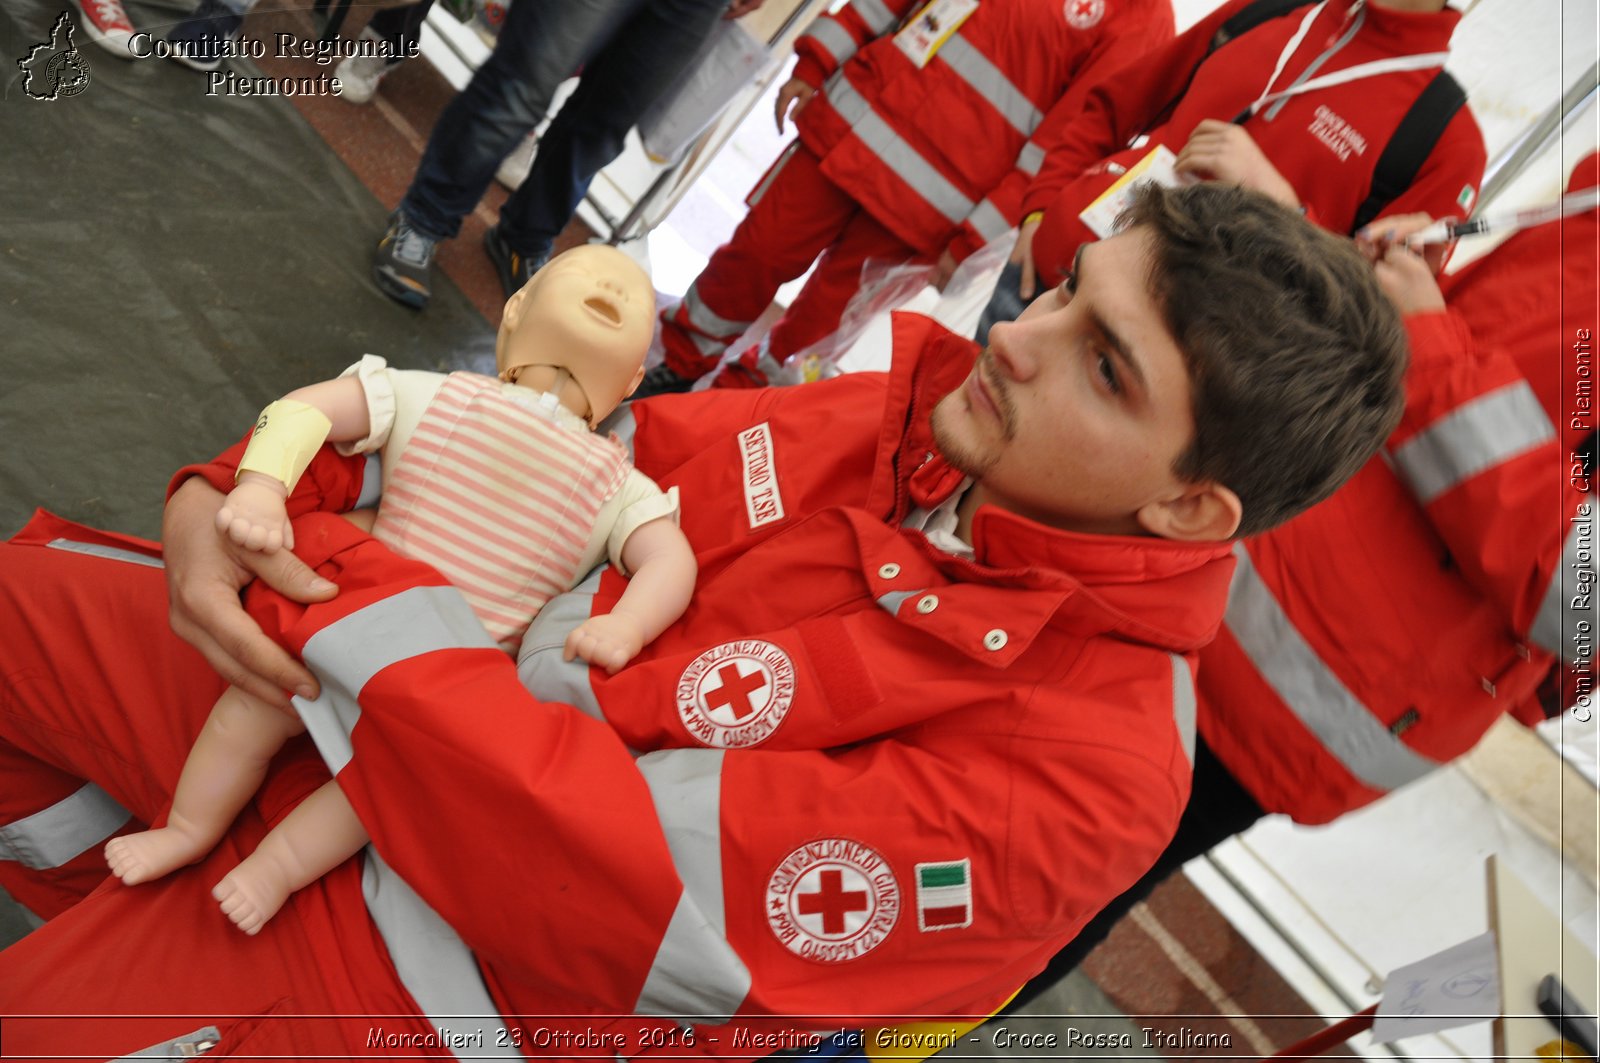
x=320 y=834
x=224 y=770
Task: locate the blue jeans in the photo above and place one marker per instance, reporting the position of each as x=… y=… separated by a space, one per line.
x=630 y=51
x=1006 y=304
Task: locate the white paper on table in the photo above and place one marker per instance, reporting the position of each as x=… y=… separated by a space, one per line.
x=1451 y=988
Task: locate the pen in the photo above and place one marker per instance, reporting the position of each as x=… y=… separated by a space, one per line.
x=1444 y=232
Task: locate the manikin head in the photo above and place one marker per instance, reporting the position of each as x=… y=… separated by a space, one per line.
x=1212 y=370
x=580 y=329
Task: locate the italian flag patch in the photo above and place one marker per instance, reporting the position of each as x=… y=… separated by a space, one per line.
x=944 y=895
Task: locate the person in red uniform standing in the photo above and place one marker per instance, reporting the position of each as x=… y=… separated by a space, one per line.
x=1380 y=634
x=916 y=143
x=1301 y=108
x=931 y=706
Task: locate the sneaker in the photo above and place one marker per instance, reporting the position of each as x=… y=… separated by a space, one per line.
x=487 y=20
x=514 y=169
x=403 y=261
x=662 y=380
x=515 y=268
x=107 y=25
x=359 y=74
x=201 y=41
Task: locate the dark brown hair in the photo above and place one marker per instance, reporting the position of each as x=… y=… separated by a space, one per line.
x=1295 y=355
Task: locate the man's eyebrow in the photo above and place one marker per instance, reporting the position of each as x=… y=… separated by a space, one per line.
x=1118 y=345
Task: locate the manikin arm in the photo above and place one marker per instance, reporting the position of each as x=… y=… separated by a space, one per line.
x=664 y=569
x=253 y=514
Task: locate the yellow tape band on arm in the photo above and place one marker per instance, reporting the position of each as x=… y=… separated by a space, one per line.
x=1033 y=217
x=288 y=434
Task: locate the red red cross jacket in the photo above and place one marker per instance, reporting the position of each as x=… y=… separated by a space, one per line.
x=941 y=156
x=1325 y=141
x=858 y=776
x=1382 y=632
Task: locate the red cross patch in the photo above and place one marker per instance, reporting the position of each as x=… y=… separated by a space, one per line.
x=735 y=695
x=1083 y=14
x=832 y=900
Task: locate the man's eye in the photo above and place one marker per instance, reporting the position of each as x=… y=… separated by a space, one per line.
x=1069 y=287
x=1108 y=372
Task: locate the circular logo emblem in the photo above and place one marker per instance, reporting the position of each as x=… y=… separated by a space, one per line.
x=67 y=74
x=735 y=695
x=1082 y=14
x=832 y=900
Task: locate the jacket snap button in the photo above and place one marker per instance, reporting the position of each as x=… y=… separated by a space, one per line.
x=995 y=640
x=927 y=603
x=889 y=571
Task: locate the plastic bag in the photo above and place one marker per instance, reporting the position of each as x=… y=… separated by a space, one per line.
x=728 y=60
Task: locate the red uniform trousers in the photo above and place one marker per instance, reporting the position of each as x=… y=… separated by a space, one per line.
x=796 y=214
x=91 y=641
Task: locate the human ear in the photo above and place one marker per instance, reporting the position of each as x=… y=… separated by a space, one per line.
x=1199 y=513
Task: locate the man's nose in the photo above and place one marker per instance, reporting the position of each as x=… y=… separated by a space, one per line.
x=1011 y=344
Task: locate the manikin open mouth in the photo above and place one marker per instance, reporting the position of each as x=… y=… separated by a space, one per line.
x=604 y=309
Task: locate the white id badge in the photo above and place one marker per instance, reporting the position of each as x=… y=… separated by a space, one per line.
x=1101 y=215
x=927 y=31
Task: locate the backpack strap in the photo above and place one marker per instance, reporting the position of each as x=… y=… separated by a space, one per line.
x=1411 y=144
x=1248 y=18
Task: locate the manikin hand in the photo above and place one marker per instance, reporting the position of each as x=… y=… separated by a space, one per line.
x=1222 y=151
x=609 y=640
x=794 y=92
x=943 y=270
x=253 y=515
x=205 y=572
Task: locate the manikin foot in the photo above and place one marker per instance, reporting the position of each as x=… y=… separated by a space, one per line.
x=252 y=893
x=136 y=858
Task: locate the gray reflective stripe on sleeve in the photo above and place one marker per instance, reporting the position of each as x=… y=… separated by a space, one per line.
x=1557 y=619
x=434 y=964
x=371 y=482
x=695 y=972
x=1030 y=158
x=832 y=38
x=988 y=221
x=990 y=82
x=70 y=827
x=539 y=665
x=891 y=602
x=1479 y=435
x=420 y=620
x=186 y=1046
x=348 y=653
x=1340 y=722
x=110 y=553
x=1183 y=704
x=705 y=319
x=899 y=156
x=879 y=19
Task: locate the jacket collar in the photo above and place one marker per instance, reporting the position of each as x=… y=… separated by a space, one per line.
x=1153 y=590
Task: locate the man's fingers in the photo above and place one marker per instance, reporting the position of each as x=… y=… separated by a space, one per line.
x=229 y=661
x=289 y=576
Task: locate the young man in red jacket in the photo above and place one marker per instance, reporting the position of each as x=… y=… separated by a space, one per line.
x=1300 y=107
x=916 y=144
x=930 y=708
x=1378 y=636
